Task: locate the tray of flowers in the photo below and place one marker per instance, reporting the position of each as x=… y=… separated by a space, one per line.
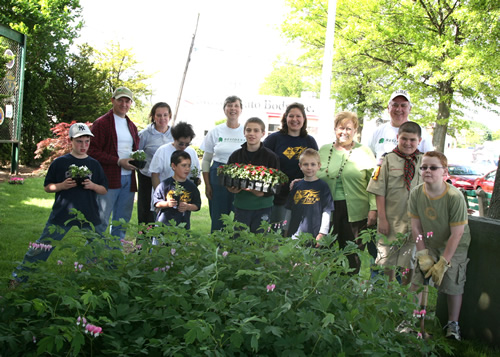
x=253 y=177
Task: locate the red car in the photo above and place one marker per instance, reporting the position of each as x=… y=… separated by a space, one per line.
x=486 y=182
x=462 y=176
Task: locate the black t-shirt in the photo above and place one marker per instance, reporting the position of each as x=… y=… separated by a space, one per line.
x=307 y=201
x=77 y=197
x=288 y=148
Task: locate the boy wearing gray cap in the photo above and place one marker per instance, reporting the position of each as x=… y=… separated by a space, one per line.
x=81 y=195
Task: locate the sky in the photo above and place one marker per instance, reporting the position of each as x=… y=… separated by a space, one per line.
x=236 y=43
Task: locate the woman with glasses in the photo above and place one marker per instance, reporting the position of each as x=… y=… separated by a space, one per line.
x=160 y=169
x=347 y=166
x=218 y=145
x=152 y=137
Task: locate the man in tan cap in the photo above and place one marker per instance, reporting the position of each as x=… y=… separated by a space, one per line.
x=115 y=137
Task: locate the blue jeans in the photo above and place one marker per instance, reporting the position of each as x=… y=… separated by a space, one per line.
x=222 y=200
x=34 y=255
x=120 y=201
x=252 y=218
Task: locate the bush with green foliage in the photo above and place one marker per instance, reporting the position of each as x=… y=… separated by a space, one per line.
x=230 y=293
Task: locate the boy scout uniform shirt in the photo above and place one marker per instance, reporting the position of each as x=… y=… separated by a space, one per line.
x=389 y=182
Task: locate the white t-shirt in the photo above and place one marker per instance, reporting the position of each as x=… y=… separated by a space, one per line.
x=384 y=139
x=222 y=141
x=161 y=161
x=125 y=141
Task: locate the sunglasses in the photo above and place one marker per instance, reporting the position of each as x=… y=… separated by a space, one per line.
x=432 y=168
x=181 y=144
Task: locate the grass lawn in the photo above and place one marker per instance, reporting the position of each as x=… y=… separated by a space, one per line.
x=25 y=209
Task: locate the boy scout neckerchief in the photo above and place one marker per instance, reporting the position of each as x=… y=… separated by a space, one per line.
x=409 y=165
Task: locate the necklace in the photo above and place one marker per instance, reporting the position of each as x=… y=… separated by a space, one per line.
x=341 y=166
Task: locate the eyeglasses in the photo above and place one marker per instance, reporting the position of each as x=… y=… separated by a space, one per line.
x=184 y=145
x=432 y=168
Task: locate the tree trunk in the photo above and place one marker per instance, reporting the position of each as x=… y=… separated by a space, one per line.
x=443 y=115
x=494 y=210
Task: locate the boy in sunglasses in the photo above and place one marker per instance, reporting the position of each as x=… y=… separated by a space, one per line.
x=391 y=184
x=440 y=228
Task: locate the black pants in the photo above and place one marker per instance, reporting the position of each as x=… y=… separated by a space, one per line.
x=348 y=231
x=144 y=213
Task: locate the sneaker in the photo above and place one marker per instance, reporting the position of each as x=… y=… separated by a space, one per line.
x=453 y=330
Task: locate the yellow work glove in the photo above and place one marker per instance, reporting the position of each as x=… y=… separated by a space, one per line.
x=425 y=261
x=437 y=271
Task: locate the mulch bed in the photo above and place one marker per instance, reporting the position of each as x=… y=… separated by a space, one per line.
x=24 y=171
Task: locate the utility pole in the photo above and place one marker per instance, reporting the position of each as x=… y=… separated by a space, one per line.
x=185 y=71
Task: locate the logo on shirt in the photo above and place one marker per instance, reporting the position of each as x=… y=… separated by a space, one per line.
x=431 y=213
x=293 y=152
x=381 y=141
x=306 y=197
x=185 y=197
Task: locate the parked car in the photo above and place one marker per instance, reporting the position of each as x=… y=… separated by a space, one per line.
x=462 y=176
x=486 y=182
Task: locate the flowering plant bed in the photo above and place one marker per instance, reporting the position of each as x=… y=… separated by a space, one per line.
x=139 y=159
x=258 y=178
x=16 y=181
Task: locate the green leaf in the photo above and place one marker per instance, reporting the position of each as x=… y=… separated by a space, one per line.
x=77 y=343
x=328 y=319
x=236 y=339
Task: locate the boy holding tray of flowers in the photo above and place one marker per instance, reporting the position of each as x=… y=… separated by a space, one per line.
x=310 y=203
x=61 y=179
x=252 y=206
x=176 y=196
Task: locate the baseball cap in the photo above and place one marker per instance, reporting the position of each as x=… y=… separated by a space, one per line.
x=122 y=92
x=400 y=93
x=79 y=129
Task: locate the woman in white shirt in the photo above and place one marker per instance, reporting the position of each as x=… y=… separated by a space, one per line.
x=218 y=145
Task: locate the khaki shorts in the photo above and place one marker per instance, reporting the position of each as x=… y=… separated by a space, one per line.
x=454 y=279
x=403 y=256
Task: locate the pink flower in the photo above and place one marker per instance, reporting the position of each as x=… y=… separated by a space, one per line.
x=225 y=253
x=59 y=262
x=156 y=269
x=172 y=251
x=429 y=235
x=419 y=238
x=285 y=221
x=80 y=266
x=419 y=335
x=270 y=287
x=423 y=312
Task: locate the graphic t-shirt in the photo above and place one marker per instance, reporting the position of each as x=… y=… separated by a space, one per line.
x=288 y=148
x=307 y=201
x=190 y=195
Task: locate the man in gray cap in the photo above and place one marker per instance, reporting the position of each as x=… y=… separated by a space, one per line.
x=384 y=138
x=115 y=137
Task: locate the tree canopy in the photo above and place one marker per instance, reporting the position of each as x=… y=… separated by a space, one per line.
x=442 y=52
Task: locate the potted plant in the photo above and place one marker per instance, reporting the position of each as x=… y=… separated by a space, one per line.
x=177 y=193
x=139 y=159
x=194 y=176
x=253 y=177
x=79 y=173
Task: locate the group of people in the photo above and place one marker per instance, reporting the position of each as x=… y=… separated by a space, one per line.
x=394 y=182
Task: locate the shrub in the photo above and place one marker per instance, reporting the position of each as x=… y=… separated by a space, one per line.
x=230 y=293
x=51 y=148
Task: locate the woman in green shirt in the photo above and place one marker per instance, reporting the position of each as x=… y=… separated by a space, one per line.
x=347 y=166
